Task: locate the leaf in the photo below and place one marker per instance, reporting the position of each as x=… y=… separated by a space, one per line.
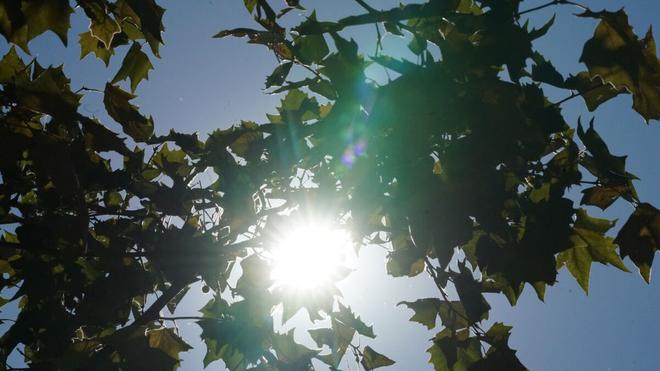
x=238 y=334
x=392 y=28
x=49 y=93
x=13 y=24
x=619 y=57
x=112 y=199
x=150 y=19
x=167 y=341
x=101 y=139
x=117 y=104
x=293 y=100
x=255 y=36
x=602 y=196
x=246 y=140
x=338 y=338
x=589 y=244
x=279 y=75
x=102 y=27
x=453 y=350
x=437 y=360
x=90 y=44
x=10 y=65
x=452 y=315
x=426 y=311
x=544 y=71
x=372 y=359
x=136 y=66
x=250 y=4
x=498 y=334
x=499 y=358
x=324 y=88
x=639 y=238
x=540 y=194
x=347 y=317
x=417 y=45
x=536 y=33
x=47 y=15
x=469 y=291
x=255 y=277
x=405 y=262
x=595 y=91
x=613 y=179
x=401 y=66
x=290 y=352
x=311 y=49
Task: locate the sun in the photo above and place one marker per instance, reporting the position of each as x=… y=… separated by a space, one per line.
x=310 y=256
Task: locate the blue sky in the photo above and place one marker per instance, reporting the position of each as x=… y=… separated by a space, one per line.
x=201 y=84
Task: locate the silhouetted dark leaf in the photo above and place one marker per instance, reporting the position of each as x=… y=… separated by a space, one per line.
x=121 y=110
x=639 y=238
x=372 y=359
x=279 y=75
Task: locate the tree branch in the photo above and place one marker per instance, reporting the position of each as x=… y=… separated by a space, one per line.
x=151 y=314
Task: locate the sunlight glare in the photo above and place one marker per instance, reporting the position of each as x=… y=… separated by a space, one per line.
x=310 y=256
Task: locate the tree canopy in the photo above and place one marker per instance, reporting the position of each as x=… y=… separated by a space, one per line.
x=459 y=165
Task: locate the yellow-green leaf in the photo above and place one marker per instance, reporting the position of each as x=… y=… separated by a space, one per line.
x=90 y=44
x=589 y=244
x=103 y=27
x=167 y=341
x=136 y=66
x=426 y=311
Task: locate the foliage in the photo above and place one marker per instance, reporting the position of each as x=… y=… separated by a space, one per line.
x=460 y=163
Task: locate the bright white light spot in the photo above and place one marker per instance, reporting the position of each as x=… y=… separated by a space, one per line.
x=310 y=256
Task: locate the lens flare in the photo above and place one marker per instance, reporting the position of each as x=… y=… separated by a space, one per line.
x=310 y=256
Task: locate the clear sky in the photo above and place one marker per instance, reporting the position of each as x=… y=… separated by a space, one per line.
x=201 y=84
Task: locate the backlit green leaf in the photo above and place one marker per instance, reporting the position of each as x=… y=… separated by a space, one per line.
x=90 y=44
x=425 y=311
x=103 y=27
x=167 y=341
x=589 y=244
x=136 y=66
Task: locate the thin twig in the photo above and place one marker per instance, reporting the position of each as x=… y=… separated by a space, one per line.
x=552 y=3
x=193 y=318
x=430 y=269
x=573 y=95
